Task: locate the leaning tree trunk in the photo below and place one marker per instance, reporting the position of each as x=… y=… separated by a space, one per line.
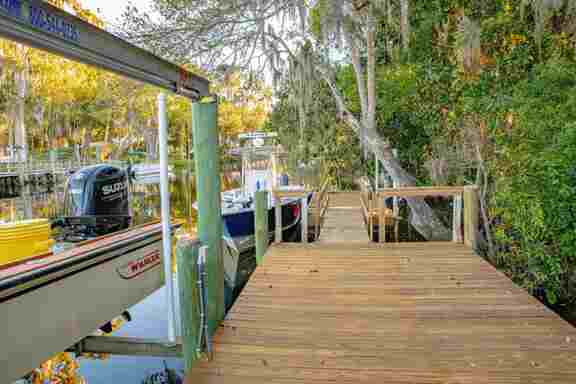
x=423 y=218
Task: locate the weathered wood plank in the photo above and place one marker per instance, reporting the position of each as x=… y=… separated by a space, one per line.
x=344 y=219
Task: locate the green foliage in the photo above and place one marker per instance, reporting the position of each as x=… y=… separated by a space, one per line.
x=315 y=19
x=325 y=137
x=537 y=184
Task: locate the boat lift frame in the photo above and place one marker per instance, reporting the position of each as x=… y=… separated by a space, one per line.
x=43 y=26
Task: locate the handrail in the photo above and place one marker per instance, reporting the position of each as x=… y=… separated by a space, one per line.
x=465 y=209
x=421 y=191
x=321 y=206
x=300 y=194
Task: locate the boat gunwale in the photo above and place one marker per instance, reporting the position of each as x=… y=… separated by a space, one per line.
x=81 y=258
x=39 y=256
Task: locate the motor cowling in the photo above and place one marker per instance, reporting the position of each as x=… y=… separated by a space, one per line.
x=97 y=200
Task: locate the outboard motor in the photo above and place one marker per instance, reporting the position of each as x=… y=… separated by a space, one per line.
x=96 y=202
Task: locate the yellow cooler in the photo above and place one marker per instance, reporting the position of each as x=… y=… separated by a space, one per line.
x=22 y=239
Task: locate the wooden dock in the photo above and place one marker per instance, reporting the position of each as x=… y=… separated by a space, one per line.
x=343 y=221
x=344 y=310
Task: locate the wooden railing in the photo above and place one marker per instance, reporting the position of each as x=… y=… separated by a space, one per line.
x=278 y=196
x=377 y=215
x=315 y=210
x=465 y=210
x=319 y=206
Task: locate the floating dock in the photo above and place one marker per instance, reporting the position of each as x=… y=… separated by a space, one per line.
x=346 y=310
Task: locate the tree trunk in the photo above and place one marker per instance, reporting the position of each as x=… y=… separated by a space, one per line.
x=405 y=24
x=370 y=122
x=20 y=140
x=361 y=85
x=423 y=218
x=371 y=73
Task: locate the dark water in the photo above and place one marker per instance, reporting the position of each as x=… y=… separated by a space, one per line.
x=149 y=317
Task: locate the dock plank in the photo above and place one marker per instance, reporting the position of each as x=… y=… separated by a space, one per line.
x=357 y=312
x=343 y=221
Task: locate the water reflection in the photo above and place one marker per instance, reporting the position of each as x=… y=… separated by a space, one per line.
x=46 y=201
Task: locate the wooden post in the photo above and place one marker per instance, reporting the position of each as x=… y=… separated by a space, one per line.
x=186 y=256
x=395 y=206
x=207 y=160
x=277 y=218
x=377 y=173
x=318 y=213
x=457 y=219
x=261 y=225
x=304 y=219
x=381 y=204
x=370 y=218
x=471 y=216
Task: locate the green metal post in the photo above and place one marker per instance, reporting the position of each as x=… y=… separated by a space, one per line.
x=207 y=160
x=261 y=225
x=187 y=256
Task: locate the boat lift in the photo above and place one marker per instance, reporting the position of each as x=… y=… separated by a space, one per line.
x=43 y=26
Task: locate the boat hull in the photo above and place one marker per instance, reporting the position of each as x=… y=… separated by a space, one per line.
x=241 y=224
x=67 y=297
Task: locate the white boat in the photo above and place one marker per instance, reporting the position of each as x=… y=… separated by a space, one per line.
x=52 y=301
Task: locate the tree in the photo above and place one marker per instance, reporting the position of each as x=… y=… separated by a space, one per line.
x=258 y=34
x=331 y=141
x=21 y=61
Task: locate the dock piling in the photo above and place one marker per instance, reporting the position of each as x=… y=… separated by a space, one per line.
x=304 y=219
x=207 y=161
x=278 y=219
x=187 y=255
x=471 y=216
x=261 y=225
x=457 y=219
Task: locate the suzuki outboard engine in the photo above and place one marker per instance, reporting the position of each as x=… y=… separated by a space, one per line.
x=97 y=202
